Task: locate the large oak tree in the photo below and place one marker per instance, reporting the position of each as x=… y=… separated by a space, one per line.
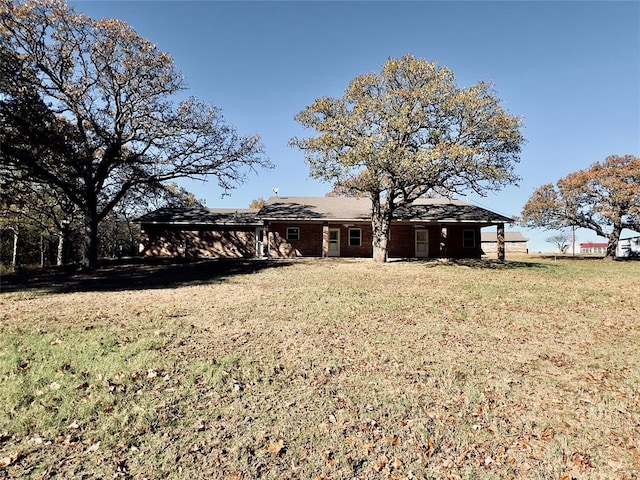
x=97 y=115
x=406 y=132
x=604 y=198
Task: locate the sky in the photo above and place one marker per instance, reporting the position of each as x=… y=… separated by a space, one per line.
x=569 y=69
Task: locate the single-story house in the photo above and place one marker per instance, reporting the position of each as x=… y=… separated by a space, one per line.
x=320 y=227
x=628 y=247
x=514 y=242
x=593 y=248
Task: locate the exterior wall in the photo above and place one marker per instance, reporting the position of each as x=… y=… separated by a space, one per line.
x=450 y=245
x=365 y=249
x=309 y=244
x=233 y=242
x=239 y=242
x=455 y=245
x=403 y=240
x=510 y=247
x=593 y=248
x=401 y=244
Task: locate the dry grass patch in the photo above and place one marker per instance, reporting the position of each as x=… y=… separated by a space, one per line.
x=330 y=369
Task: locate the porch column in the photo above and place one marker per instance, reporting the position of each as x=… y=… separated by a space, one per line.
x=325 y=240
x=266 y=236
x=443 y=241
x=500 y=245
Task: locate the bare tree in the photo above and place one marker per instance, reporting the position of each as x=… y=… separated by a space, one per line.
x=562 y=241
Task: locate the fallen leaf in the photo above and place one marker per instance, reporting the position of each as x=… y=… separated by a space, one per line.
x=548 y=434
x=94 y=447
x=6 y=461
x=394 y=440
x=276 y=448
x=380 y=464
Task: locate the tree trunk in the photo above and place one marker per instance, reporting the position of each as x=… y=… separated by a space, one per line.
x=61 y=244
x=91 y=239
x=42 y=250
x=381 y=225
x=612 y=246
x=14 y=257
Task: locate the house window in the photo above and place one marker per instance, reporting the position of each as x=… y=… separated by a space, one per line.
x=469 y=238
x=293 y=233
x=355 y=237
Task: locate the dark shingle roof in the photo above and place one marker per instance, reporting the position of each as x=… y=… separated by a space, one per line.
x=202 y=216
x=325 y=208
x=340 y=208
x=322 y=208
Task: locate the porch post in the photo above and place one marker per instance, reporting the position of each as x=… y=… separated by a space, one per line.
x=443 y=241
x=266 y=236
x=325 y=240
x=500 y=245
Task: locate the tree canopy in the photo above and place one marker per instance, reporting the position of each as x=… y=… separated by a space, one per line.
x=604 y=198
x=91 y=110
x=409 y=131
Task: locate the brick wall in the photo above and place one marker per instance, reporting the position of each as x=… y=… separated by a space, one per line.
x=308 y=245
x=238 y=242
x=402 y=242
x=173 y=241
x=455 y=245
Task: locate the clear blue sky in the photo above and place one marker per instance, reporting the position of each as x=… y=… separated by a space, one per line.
x=571 y=70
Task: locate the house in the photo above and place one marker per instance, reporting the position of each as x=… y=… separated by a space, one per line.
x=514 y=242
x=593 y=248
x=628 y=247
x=320 y=227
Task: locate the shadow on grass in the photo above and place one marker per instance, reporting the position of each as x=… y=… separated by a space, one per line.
x=498 y=265
x=133 y=274
x=483 y=263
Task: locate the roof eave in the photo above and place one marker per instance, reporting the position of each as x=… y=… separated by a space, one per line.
x=201 y=224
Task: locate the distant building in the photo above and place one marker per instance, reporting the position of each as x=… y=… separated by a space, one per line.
x=628 y=247
x=593 y=248
x=514 y=242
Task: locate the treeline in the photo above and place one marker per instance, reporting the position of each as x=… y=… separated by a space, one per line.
x=37 y=230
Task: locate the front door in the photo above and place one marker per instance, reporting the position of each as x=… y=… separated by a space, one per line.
x=422 y=243
x=334 y=242
x=259 y=242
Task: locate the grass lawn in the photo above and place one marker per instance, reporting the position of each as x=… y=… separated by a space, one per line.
x=323 y=369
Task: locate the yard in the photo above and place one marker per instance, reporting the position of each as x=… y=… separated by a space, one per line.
x=323 y=369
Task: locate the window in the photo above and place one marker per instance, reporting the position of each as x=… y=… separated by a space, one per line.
x=355 y=237
x=293 y=233
x=469 y=238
